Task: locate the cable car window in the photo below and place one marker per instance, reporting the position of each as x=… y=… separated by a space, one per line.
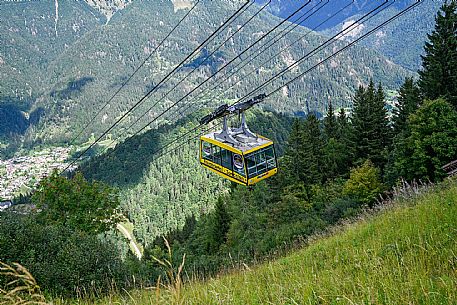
x=261 y=161
x=270 y=157
x=207 y=151
x=226 y=156
x=251 y=164
x=216 y=154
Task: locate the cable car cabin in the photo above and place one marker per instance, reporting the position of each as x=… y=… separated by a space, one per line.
x=237 y=153
x=244 y=164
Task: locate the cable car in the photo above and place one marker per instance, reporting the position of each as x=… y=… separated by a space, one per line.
x=237 y=154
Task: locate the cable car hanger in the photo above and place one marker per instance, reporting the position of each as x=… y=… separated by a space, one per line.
x=228 y=134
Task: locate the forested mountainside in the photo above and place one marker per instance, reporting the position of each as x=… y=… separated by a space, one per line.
x=406 y=34
x=283 y=8
x=68 y=60
x=159 y=196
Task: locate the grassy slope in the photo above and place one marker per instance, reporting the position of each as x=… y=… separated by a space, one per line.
x=405 y=255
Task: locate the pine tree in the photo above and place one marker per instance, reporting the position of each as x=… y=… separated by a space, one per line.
x=342 y=123
x=408 y=102
x=383 y=127
x=336 y=153
x=330 y=125
x=293 y=157
x=429 y=143
x=438 y=77
x=219 y=226
x=370 y=133
x=312 y=152
x=360 y=133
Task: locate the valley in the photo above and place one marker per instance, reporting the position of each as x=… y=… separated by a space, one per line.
x=20 y=175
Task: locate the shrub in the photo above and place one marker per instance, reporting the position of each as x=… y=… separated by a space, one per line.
x=364 y=184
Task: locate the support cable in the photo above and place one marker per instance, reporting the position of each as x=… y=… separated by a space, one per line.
x=191 y=72
x=210 y=37
x=401 y=13
x=73 y=140
x=355 y=23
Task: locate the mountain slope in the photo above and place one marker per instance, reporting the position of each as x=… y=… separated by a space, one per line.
x=406 y=255
x=396 y=41
x=106 y=54
x=403 y=40
x=160 y=196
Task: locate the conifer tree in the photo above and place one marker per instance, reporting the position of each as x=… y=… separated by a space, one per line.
x=408 y=102
x=337 y=156
x=370 y=132
x=429 y=143
x=330 y=125
x=293 y=156
x=312 y=152
x=383 y=128
x=342 y=123
x=438 y=76
x=220 y=226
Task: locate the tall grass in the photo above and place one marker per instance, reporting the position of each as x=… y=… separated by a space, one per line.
x=405 y=255
x=20 y=288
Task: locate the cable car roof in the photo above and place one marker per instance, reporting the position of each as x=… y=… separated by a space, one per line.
x=246 y=145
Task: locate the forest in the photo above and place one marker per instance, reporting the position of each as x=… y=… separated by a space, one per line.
x=329 y=170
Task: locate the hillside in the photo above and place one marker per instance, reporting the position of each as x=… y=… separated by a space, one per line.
x=67 y=64
x=398 y=34
x=404 y=254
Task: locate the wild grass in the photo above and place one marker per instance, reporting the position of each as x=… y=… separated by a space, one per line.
x=20 y=288
x=405 y=253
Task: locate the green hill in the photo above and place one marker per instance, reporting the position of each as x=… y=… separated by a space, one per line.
x=403 y=254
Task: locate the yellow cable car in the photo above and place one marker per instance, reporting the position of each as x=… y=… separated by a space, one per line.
x=237 y=154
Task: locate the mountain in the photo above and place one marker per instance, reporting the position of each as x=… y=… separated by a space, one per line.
x=284 y=8
x=66 y=60
x=396 y=36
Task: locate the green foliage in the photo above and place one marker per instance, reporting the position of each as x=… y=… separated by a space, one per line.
x=312 y=171
x=429 y=143
x=330 y=123
x=364 y=184
x=220 y=224
x=438 y=76
x=77 y=204
x=400 y=256
x=63 y=261
x=302 y=162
